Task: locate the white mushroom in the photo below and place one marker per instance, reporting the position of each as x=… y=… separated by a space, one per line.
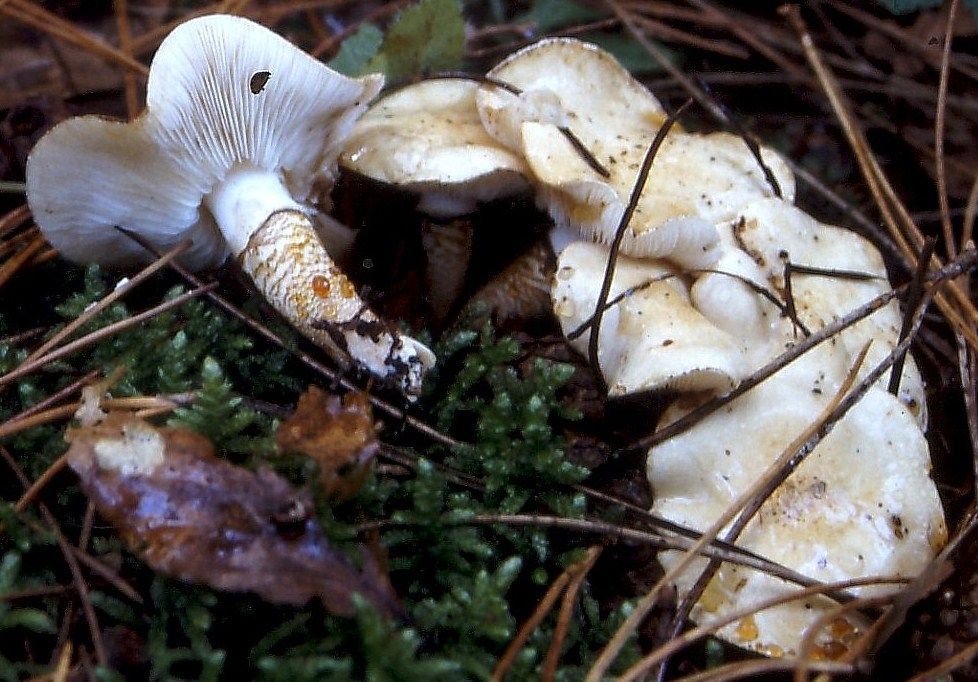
x=238 y=141
x=772 y=232
x=695 y=182
x=861 y=504
x=564 y=81
x=428 y=138
x=724 y=297
x=652 y=338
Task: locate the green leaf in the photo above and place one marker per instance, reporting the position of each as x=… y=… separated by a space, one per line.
x=908 y=6
x=551 y=15
x=357 y=50
x=548 y=15
x=426 y=37
x=34 y=620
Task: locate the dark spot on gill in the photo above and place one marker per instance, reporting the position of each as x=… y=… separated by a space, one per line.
x=258 y=81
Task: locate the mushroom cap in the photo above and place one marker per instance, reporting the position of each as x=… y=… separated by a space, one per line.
x=772 y=232
x=566 y=82
x=725 y=298
x=696 y=180
x=428 y=137
x=224 y=93
x=861 y=504
x=654 y=338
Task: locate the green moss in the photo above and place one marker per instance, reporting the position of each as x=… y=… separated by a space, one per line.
x=465 y=588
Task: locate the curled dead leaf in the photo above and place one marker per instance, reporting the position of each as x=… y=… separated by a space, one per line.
x=338 y=434
x=199 y=518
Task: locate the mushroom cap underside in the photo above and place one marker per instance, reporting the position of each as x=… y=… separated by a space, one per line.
x=205 y=117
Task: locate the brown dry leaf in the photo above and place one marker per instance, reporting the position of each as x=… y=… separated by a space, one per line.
x=193 y=516
x=338 y=434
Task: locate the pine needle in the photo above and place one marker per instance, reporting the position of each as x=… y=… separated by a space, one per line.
x=40 y=19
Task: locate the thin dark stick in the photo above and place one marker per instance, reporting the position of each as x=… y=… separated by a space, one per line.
x=940 y=168
x=584 y=152
x=88 y=522
x=586 y=324
x=609 y=274
x=770 y=296
x=843 y=41
x=964 y=262
x=789 y=294
x=410 y=460
x=750 y=141
x=20 y=337
x=914 y=295
x=854 y=275
x=45 y=591
x=569 y=134
x=266 y=333
x=478 y=78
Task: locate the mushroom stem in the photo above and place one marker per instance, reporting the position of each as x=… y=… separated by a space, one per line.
x=244 y=200
x=277 y=245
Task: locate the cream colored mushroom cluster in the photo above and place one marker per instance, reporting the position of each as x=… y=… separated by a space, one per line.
x=708 y=236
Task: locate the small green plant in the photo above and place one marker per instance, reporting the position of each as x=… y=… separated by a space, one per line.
x=426 y=37
x=458 y=581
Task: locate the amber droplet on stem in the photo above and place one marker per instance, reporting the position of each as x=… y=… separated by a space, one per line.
x=320 y=286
